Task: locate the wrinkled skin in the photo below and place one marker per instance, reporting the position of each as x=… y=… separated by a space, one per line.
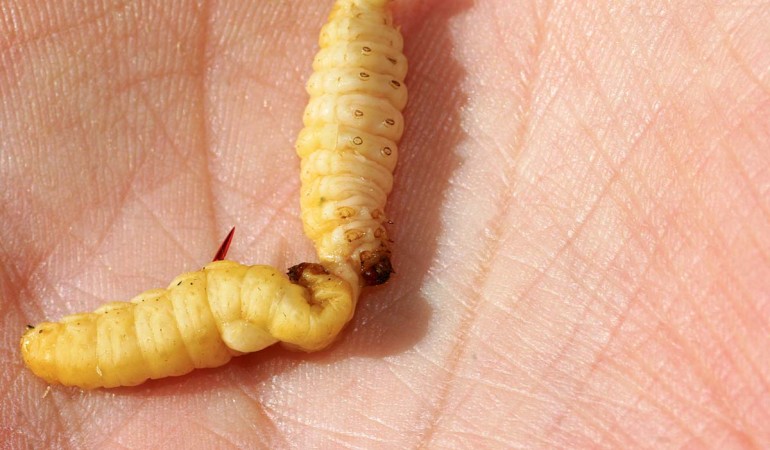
x=581 y=221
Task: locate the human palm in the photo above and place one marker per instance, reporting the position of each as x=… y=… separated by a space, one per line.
x=581 y=221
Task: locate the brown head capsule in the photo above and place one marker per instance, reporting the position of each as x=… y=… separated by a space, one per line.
x=295 y=272
x=376 y=267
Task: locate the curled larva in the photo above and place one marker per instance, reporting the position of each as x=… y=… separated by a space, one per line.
x=202 y=319
x=348 y=146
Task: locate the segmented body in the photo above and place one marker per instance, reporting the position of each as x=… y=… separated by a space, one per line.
x=204 y=318
x=348 y=146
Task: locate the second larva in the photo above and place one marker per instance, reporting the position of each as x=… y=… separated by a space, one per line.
x=348 y=146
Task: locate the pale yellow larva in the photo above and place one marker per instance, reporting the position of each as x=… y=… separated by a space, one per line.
x=204 y=318
x=348 y=146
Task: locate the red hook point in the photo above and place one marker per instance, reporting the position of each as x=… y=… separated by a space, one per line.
x=222 y=252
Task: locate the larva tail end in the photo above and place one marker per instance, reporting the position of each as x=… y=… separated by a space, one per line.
x=38 y=345
x=376 y=268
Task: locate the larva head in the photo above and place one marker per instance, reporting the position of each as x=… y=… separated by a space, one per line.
x=312 y=318
x=295 y=272
x=375 y=267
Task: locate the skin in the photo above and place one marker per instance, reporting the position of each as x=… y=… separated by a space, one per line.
x=581 y=221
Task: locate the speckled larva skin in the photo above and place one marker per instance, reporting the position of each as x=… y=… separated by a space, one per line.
x=348 y=146
x=202 y=319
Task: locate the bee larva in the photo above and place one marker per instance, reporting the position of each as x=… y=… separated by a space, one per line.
x=348 y=146
x=204 y=318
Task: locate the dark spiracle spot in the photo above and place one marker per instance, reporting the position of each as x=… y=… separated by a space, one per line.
x=376 y=268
